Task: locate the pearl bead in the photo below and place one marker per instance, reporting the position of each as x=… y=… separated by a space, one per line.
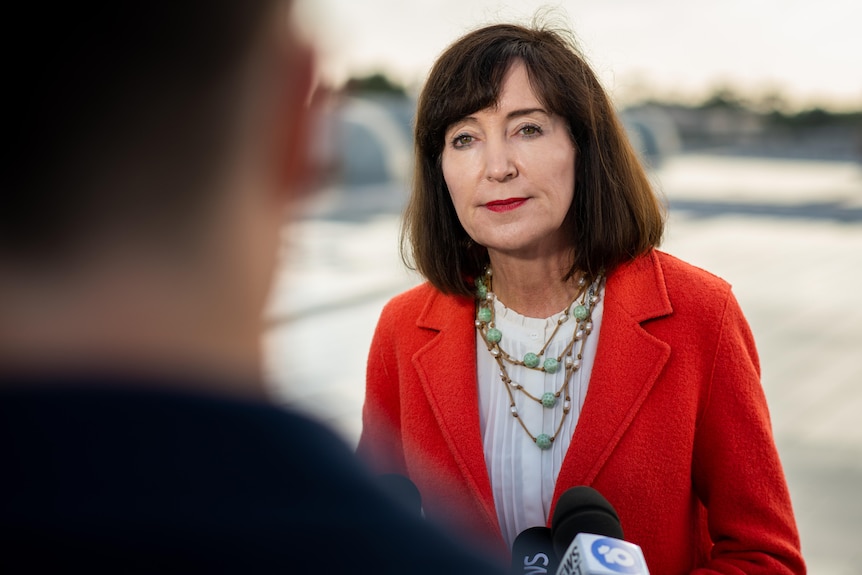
x=484 y=321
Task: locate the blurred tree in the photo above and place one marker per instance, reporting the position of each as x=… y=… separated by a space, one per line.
x=724 y=97
x=772 y=101
x=816 y=118
x=377 y=83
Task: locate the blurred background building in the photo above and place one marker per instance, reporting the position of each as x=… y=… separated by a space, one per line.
x=749 y=117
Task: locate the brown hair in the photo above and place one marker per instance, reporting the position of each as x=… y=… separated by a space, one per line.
x=615 y=215
x=121 y=120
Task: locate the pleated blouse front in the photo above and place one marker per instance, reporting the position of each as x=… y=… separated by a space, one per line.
x=522 y=475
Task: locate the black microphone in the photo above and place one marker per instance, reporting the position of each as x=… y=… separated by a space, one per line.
x=588 y=537
x=533 y=552
x=582 y=509
x=403 y=491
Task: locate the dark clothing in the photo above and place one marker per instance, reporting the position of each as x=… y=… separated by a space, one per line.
x=101 y=480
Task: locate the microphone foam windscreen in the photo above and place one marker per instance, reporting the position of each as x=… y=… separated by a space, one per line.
x=583 y=510
x=533 y=552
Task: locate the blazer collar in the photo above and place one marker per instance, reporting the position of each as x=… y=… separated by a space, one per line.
x=628 y=362
x=446 y=366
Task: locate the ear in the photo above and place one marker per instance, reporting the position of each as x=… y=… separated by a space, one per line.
x=295 y=116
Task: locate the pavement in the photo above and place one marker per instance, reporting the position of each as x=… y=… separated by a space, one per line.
x=786 y=234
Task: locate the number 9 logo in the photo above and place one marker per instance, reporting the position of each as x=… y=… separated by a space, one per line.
x=614 y=556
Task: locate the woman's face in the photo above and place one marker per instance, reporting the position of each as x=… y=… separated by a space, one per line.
x=510 y=170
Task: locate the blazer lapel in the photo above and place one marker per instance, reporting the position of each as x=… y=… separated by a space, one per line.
x=628 y=363
x=447 y=370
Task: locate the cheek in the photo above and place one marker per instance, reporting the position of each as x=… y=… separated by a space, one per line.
x=460 y=193
x=562 y=169
x=453 y=177
x=461 y=203
x=567 y=182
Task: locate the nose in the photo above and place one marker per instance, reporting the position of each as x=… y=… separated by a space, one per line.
x=499 y=163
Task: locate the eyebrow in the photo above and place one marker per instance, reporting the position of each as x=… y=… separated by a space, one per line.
x=525 y=112
x=510 y=115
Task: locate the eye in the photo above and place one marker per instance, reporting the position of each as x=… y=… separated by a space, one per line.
x=530 y=130
x=462 y=140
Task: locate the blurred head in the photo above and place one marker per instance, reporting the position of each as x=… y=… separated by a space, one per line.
x=612 y=214
x=156 y=148
x=126 y=120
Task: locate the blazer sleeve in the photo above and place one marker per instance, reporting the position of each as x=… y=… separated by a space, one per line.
x=736 y=470
x=380 y=443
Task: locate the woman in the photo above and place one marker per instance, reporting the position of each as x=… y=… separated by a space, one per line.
x=552 y=344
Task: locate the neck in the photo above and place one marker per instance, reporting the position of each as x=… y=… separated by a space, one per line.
x=533 y=287
x=129 y=323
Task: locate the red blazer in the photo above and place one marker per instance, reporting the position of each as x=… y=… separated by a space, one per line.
x=674 y=431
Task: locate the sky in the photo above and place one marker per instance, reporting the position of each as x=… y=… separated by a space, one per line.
x=810 y=51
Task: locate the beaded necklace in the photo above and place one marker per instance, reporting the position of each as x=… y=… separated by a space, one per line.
x=581 y=311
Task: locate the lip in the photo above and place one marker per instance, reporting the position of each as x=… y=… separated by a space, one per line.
x=506 y=205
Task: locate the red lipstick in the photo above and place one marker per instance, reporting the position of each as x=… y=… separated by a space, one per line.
x=506 y=205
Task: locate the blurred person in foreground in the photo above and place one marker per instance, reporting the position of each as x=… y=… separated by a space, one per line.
x=157 y=151
x=553 y=345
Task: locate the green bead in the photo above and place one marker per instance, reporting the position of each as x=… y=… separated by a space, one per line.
x=494 y=335
x=549 y=399
x=481 y=291
x=543 y=440
x=551 y=365
x=580 y=312
x=484 y=314
x=531 y=359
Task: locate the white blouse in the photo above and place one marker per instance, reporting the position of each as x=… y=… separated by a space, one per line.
x=522 y=475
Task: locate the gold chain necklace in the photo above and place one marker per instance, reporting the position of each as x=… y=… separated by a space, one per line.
x=582 y=312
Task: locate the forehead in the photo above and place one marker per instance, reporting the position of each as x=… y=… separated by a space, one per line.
x=516 y=89
x=516 y=93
